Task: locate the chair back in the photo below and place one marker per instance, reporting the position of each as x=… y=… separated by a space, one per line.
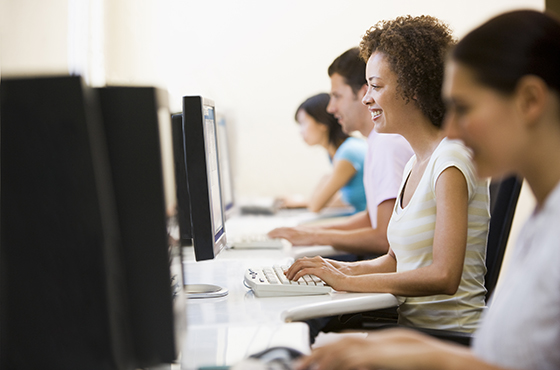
x=503 y=199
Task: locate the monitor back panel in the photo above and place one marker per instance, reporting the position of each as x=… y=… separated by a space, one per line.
x=61 y=300
x=199 y=126
x=132 y=117
x=183 y=197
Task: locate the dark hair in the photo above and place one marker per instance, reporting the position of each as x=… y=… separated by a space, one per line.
x=316 y=107
x=351 y=67
x=510 y=46
x=415 y=48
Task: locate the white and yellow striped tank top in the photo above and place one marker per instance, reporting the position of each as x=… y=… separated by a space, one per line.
x=411 y=235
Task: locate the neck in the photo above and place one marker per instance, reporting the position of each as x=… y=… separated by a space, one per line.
x=367 y=124
x=538 y=160
x=540 y=165
x=424 y=139
x=366 y=133
x=331 y=149
x=542 y=184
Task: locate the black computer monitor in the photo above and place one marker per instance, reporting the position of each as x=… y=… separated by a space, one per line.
x=226 y=173
x=199 y=136
x=138 y=129
x=202 y=163
x=183 y=197
x=68 y=288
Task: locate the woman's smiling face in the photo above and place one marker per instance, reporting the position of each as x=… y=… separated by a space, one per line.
x=387 y=107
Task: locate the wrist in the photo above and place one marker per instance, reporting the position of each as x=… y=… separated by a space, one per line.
x=345 y=283
x=350 y=268
x=321 y=237
x=344 y=267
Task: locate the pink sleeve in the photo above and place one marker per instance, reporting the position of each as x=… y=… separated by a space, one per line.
x=388 y=156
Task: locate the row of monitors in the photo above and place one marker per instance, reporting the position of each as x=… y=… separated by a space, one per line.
x=90 y=250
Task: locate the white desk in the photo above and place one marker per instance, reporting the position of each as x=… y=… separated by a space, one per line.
x=222 y=331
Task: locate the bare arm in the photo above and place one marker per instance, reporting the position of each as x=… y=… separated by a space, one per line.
x=383 y=264
x=442 y=276
x=364 y=240
x=342 y=172
x=356 y=221
x=396 y=349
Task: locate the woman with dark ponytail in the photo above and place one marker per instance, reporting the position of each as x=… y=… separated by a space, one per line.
x=346 y=153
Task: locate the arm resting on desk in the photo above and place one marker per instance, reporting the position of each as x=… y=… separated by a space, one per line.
x=358 y=240
x=342 y=303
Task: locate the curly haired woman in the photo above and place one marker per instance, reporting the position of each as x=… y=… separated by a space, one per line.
x=438 y=229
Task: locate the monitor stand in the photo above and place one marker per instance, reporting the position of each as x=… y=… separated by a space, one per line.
x=199 y=290
x=204 y=291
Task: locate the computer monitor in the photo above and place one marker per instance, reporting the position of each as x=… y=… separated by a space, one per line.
x=202 y=163
x=225 y=169
x=137 y=126
x=183 y=197
x=62 y=297
x=67 y=274
x=203 y=183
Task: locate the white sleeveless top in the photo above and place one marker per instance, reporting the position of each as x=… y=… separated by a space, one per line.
x=411 y=234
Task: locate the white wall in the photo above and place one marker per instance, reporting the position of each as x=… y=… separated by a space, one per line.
x=257 y=59
x=33 y=36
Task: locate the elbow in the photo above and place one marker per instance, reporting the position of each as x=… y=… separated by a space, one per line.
x=446 y=281
x=378 y=243
x=315 y=205
x=450 y=289
x=314 y=208
x=449 y=284
x=383 y=245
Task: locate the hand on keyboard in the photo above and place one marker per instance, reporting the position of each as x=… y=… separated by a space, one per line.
x=330 y=271
x=298 y=236
x=272 y=282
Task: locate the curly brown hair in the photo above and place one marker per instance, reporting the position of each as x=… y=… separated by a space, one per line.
x=416 y=48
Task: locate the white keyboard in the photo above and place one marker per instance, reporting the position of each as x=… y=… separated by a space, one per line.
x=271 y=282
x=257 y=241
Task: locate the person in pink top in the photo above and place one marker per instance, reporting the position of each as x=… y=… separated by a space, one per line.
x=364 y=233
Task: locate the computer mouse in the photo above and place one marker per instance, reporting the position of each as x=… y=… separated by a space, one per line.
x=274 y=358
x=277 y=353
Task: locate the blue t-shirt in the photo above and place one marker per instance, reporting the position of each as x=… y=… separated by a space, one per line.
x=354 y=151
